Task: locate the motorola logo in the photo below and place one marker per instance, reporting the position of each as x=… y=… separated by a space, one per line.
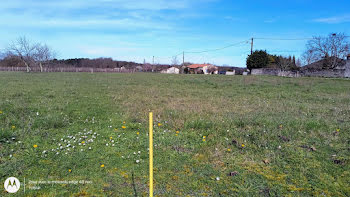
x=12 y=185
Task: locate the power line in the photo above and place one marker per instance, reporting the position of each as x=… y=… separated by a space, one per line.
x=284 y=51
x=231 y=45
x=306 y=38
x=158 y=57
x=284 y=38
x=250 y=41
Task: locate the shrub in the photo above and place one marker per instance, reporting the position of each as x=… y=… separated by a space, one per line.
x=259 y=59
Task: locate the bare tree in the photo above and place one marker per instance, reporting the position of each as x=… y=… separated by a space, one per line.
x=175 y=61
x=331 y=48
x=22 y=49
x=298 y=63
x=29 y=53
x=2 y=55
x=284 y=63
x=42 y=54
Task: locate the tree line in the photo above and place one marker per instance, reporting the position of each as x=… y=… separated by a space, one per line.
x=23 y=52
x=329 y=49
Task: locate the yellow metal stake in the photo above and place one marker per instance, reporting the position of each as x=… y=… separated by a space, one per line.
x=151 y=154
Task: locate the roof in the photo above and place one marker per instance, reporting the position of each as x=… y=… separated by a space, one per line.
x=197 y=65
x=319 y=65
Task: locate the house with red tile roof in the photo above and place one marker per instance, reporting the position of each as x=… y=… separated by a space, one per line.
x=202 y=69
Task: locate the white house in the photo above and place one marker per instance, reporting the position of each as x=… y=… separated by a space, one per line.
x=231 y=72
x=171 y=70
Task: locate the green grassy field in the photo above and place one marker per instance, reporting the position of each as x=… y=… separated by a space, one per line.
x=213 y=135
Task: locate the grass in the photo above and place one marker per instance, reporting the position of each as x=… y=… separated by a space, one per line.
x=217 y=135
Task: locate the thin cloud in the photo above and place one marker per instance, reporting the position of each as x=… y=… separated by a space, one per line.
x=230 y=18
x=270 y=20
x=86 y=23
x=334 y=19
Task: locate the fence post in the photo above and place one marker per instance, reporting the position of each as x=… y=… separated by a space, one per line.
x=150 y=154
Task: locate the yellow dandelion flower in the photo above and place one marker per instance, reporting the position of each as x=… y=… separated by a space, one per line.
x=123 y=122
x=115 y=129
x=281 y=126
x=0 y=112
x=123 y=127
x=159 y=124
x=138 y=133
x=83 y=142
x=338 y=130
x=176 y=134
x=35 y=146
x=69 y=170
x=229 y=150
x=177 y=131
x=204 y=137
x=243 y=145
x=111 y=137
x=204 y=140
x=13 y=127
x=102 y=165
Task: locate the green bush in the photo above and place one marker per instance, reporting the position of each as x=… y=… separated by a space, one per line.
x=259 y=59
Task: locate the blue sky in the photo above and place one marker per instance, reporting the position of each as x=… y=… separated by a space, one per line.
x=136 y=30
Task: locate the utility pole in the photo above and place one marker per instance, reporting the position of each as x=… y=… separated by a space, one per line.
x=153 y=60
x=251 y=47
x=183 y=58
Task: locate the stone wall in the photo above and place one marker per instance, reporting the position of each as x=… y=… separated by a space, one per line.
x=331 y=73
x=347 y=68
x=288 y=73
x=265 y=71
